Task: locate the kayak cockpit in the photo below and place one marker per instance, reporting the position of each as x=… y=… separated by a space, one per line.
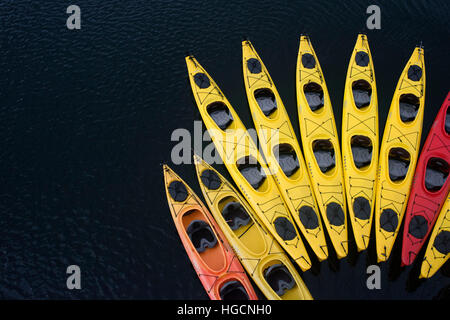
x=266 y=101
x=201 y=235
x=314 y=96
x=252 y=171
x=399 y=160
x=409 y=106
x=436 y=174
x=362 y=93
x=324 y=153
x=233 y=290
x=279 y=278
x=361 y=151
x=220 y=113
x=235 y=215
x=287 y=158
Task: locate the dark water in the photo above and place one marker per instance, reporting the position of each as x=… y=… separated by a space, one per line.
x=87 y=115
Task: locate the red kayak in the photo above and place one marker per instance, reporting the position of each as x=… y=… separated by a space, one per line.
x=430 y=186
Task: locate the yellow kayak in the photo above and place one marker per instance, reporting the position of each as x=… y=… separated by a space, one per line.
x=321 y=145
x=244 y=162
x=398 y=153
x=281 y=149
x=360 y=140
x=438 y=250
x=259 y=253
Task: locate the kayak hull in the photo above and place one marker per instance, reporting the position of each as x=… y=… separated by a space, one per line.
x=319 y=135
x=436 y=255
x=253 y=244
x=277 y=140
x=360 y=136
x=398 y=154
x=424 y=205
x=216 y=266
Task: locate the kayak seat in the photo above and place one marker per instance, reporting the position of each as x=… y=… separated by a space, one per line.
x=447 y=121
x=233 y=290
x=220 y=114
x=388 y=220
x=279 y=278
x=436 y=174
x=361 y=208
x=308 y=217
x=418 y=227
x=308 y=61
x=324 y=152
x=210 y=179
x=409 y=106
x=414 y=73
x=235 y=215
x=287 y=158
x=362 y=93
x=254 y=66
x=361 y=151
x=201 y=235
x=178 y=191
x=335 y=214
x=362 y=59
x=201 y=80
x=251 y=171
x=442 y=242
x=285 y=229
x=314 y=95
x=399 y=160
x=266 y=101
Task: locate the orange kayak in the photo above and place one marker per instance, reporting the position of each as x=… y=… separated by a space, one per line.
x=215 y=263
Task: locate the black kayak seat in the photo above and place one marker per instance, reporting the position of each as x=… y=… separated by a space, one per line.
x=335 y=214
x=252 y=171
x=287 y=158
x=409 y=106
x=178 y=191
x=308 y=61
x=442 y=242
x=201 y=235
x=362 y=59
x=388 y=220
x=314 y=95
x=285 y=229
x=201 y=80
x=398 y=160
x=220 y=114
x=254 y=66
x=233 y=290
x=324 y=153
x=235 y=215
x=436 y=174
x=308 y=217
x=361 y=151
x=266 y=101
x=361 y=208
x=210 y=179
x=418 y=226
x=279 y=278
x=414 y=73
x=362 y=93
